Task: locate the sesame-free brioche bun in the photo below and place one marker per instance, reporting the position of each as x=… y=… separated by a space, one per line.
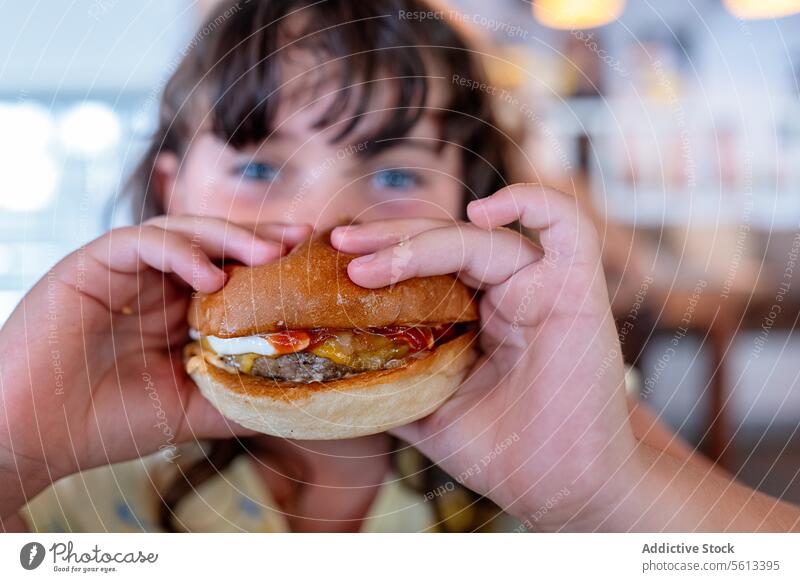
x=363 y=404
x=310 y=288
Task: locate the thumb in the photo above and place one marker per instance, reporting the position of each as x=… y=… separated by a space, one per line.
x=411 y=433
x=203 y=421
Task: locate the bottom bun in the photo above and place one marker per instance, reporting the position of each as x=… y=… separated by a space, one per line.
x=363 y=404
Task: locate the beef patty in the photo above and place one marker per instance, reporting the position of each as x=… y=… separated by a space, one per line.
x=299 y=367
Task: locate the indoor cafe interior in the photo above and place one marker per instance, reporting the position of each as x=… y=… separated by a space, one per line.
x=677 y=125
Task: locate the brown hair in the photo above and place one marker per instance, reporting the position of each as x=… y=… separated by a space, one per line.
x=229 y=77
x=230 y=74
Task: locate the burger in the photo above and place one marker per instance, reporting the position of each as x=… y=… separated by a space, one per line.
x=295 y=349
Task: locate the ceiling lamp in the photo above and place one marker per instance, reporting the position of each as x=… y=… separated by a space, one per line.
x=754 y=9
x=574 y=14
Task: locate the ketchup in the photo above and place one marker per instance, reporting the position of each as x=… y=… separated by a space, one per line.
x=287 y=342
x=417 y=338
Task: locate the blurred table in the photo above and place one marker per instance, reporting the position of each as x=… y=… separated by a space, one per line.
x=718 y=314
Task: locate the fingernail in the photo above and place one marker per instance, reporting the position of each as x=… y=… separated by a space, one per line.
x=476 y=206
x=363 y=260
x=268 y=246
x=341 y=229
x=340 y=232
x=296 y=231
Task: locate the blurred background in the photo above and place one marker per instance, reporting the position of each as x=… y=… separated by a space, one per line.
x=677 y=123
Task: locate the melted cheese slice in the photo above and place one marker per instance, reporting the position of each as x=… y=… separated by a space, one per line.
x=359 y=350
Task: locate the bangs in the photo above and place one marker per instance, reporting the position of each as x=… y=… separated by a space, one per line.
x=229 y=83
x=245 y=67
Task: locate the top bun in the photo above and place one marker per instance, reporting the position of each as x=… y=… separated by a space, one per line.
x=309 y=288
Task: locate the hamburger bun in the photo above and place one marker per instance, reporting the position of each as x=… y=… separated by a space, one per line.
x=309 y=289
x=364 y=404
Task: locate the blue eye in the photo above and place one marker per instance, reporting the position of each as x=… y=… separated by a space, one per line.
x=257 y=171
x=396 y=179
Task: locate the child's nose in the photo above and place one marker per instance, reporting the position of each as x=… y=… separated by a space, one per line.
x=327 y=207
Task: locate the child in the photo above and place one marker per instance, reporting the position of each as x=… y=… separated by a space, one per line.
x=288 y=116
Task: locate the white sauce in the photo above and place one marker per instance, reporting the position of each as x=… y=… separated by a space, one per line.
x=251 y=344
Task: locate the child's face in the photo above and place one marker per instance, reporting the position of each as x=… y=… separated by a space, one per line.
x=298 y=175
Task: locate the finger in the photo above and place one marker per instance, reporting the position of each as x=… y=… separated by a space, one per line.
x=133 y=249
x=564 y=229
x=216 y=246
x=202 y=421
x=470 y=281
x=371 y=236
x=291 y=233
x=486 y=257
x=288 y=234
x=410 y=433
x=226 y=240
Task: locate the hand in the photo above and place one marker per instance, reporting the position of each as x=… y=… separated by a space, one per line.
x=625 y=264
x=91 y=367
x=540 y=425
